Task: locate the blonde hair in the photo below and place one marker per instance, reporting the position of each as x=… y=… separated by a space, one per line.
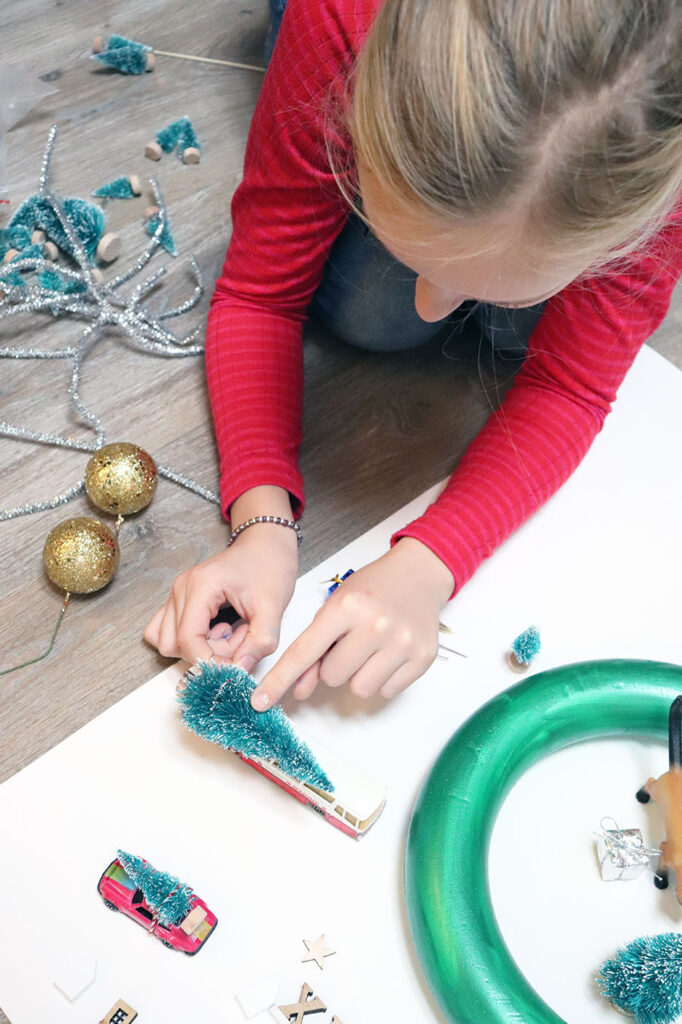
x=568 y=109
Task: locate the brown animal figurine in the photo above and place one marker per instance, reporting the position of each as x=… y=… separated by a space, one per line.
x=667 y=793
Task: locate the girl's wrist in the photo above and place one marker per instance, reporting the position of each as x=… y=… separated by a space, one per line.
x=265 y=500
x=276 y=521
x=421 y=563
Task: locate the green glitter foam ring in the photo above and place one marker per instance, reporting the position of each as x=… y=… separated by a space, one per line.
x=216 y=704
x=462 y=952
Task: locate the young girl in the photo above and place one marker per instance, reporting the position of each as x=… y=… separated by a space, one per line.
x=519 y=153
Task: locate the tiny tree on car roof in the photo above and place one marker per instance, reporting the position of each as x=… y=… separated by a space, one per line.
x=168 y=897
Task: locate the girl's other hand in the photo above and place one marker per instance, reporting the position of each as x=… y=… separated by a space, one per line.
x=378 y=630
x=255 y=575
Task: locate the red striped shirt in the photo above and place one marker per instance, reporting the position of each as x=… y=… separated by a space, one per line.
x=286 y=214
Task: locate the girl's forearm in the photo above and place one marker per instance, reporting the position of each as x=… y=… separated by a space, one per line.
x=265 y=500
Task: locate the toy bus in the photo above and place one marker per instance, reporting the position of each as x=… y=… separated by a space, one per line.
x=358 y=798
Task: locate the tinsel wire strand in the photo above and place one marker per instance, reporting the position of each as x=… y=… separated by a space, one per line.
x=85 y=414
x=43 y=506
x=47 y=156
x=32 y=661
x=108 y=302
x=102 y=305
x=56 y=441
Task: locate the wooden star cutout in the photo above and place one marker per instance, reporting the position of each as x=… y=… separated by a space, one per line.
x=317 y=951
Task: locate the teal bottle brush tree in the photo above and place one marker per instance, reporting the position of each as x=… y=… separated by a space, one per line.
x=120 y=188
x=168 y=897
x=216 y=704
x=133 y=58
x=125 y=55
x=87 y=222
x=178 y=135
x=645 y=979
x=524 y=649
x=165 y=235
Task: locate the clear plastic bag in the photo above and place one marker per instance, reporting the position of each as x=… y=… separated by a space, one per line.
x=19 y=93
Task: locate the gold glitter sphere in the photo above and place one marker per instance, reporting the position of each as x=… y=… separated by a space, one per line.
x=121 y=478
x=81 y=555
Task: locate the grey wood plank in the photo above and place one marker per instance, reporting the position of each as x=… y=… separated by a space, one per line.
x=378 y=429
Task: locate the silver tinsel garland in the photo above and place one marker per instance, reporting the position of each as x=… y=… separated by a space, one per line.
x=100 y=305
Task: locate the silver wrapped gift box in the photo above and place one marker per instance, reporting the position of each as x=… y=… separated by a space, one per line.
x=622 y=854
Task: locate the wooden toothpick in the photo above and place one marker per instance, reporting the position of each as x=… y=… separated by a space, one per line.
x=210 y=60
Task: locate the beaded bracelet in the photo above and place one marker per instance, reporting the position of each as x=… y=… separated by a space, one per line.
x=265 y=519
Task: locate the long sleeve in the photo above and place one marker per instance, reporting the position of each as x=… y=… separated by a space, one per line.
x=580 y=351
x=286 y=214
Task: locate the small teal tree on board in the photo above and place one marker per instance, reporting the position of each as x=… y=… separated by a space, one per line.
x=166 y=895
x=216 y=704
x=524 y=649
x=645 y=979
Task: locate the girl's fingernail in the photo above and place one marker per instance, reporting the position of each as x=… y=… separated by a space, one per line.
x=260 y=701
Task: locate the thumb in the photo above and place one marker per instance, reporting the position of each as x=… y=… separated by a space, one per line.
x=262 y=637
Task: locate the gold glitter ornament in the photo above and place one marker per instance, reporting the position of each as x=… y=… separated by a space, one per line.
x=81 y=555
x=121 y=478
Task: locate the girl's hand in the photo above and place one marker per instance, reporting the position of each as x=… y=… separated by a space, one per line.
x=255 y=575
x=378 y=630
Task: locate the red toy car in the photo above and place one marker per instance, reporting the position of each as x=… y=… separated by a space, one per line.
x=188 y=934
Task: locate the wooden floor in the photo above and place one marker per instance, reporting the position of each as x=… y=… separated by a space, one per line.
x=378 y=429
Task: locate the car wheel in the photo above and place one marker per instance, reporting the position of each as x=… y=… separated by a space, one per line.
x=168 y=944
x=318 y=810
x=110 y=905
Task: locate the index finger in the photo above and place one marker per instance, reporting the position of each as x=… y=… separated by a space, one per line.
x=307 y=649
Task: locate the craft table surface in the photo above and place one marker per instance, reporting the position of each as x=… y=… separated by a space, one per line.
x=597 y=578
x=377 y=430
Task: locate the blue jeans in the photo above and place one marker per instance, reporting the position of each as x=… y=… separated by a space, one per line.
x=366 y=297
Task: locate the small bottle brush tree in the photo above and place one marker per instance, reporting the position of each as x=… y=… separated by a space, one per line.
x=524 y=649
x=216 y=704
x=645 y=979
x=169 y=136
x=126 y=55
x=87 y=221
x=166 y=237
x=179 y=133
x=119 y=188
x=168 y=897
